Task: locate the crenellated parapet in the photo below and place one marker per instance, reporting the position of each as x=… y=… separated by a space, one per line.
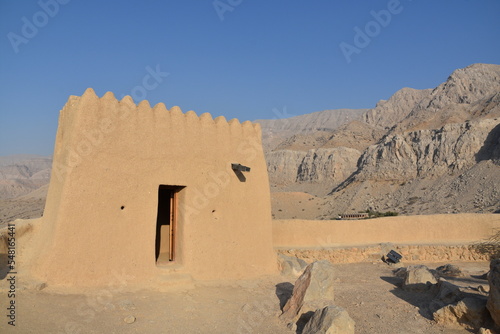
x=109 y=106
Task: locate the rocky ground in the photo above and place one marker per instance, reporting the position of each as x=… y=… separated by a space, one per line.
x=369 y=292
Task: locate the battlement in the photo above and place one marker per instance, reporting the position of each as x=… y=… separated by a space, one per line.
x=108 y=105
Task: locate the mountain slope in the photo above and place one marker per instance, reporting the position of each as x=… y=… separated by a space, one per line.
x=21 y=174
x=390 y=112
x=477 y=85
x=276 y=130
x=421 y=151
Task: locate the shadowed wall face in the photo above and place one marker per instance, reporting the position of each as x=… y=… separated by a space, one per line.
x=164 y=224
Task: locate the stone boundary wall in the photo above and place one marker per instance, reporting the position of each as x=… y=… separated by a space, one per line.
x=429 y=238
x=410 y=253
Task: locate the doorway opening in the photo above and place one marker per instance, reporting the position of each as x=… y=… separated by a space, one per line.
x=166 y=224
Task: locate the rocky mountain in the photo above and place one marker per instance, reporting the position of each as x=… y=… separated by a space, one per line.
x=315 y=165
x=21 y=174
x=275 y=130
x=23 y=207
x=431 y=153
x=468 y=93
x=390 y=112
x=421 y=151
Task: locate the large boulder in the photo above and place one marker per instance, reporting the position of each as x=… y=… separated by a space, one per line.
x=449 y=270
x=449 y=293
x=493 y=304
x=469 y=311
x=330 y=320
x=418 y=278
x=312 y=290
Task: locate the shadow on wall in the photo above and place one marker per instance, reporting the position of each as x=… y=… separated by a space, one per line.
x=491 y=147
x=240 y=175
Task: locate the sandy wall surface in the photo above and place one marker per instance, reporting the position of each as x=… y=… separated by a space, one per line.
x=444 y=229
x=110 y=158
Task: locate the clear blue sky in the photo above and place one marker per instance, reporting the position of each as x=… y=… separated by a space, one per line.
x=261 y=56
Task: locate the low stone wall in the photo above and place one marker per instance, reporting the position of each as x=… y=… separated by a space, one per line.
x=410 y=253
x=429 y=238
x=428 y=229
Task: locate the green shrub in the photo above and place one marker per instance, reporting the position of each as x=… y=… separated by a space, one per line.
x=376 y=214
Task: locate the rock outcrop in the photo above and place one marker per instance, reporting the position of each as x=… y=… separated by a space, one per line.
x=470 y=311
x=331 y=319
x=448 y=293
x=283 y=166
x=456 y=100
x=313 y=289
x=331 y=165
x=493 y=304
x=449 y=270
x=418 y=278
x=427 y=153
x=390 y=112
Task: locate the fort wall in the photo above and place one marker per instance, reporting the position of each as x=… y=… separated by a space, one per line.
x=110 y=158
